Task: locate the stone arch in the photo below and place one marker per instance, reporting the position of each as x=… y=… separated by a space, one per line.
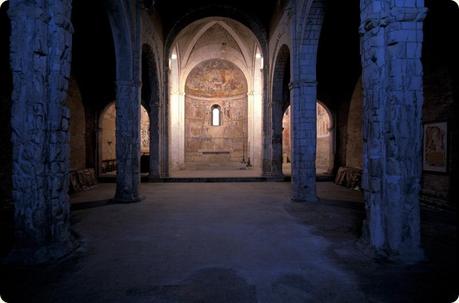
x=325 y=140
x=313 y=12
x=188 y=56
x=217 y=10
x=280 y=99
x=107 y=139
x=121 y=29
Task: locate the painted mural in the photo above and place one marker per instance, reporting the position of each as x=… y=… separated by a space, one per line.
x=216 y=79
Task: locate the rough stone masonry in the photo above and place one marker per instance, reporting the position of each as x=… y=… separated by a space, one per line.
x=40 y=60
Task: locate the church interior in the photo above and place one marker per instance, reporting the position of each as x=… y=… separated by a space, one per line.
x=229 y=151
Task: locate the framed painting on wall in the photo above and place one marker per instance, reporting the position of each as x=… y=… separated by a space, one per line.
x=435 y=149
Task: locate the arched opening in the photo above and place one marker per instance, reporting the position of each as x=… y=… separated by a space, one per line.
x=215 y=61
x=107 y=140
x=325 y=142
x=354 y=136
x=278 y=127
x=92 y=84
x=150 y=96
x=216 y=113
x=77 y=128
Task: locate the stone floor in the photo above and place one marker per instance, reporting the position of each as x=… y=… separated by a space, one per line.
x=233 y=242
x=221 y=173
x=235 y=173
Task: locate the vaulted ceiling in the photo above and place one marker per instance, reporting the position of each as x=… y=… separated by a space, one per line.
x=172 y=11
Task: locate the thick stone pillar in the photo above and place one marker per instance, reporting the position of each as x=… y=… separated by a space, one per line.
x=267 y=140
x=41 y=43
x=155 y=169
x=276 y=140
x=164 y=138
x=391 y=47
x=303 y=96
x=128 y=141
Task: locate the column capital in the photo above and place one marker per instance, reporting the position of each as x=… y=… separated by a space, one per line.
x=302 y=83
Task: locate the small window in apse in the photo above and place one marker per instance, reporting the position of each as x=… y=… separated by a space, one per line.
x=216 y=115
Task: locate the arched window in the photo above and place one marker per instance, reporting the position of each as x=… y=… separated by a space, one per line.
x=216 y=114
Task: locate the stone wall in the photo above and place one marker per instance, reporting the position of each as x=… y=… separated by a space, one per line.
x=77 y=127
x=354 y=138
x=439 y=107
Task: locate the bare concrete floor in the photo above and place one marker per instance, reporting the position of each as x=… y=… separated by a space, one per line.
x=233 y=242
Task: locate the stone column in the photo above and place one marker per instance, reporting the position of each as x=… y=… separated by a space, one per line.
x=41 y=43
x=303 y=96
x=154 y=140
x=267 y=140
x=128 y=141
x=391 y=47
x=164 y=136
x=276 y=142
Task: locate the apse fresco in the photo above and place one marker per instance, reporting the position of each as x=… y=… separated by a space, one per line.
x=216 y=79
x=212 y=84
